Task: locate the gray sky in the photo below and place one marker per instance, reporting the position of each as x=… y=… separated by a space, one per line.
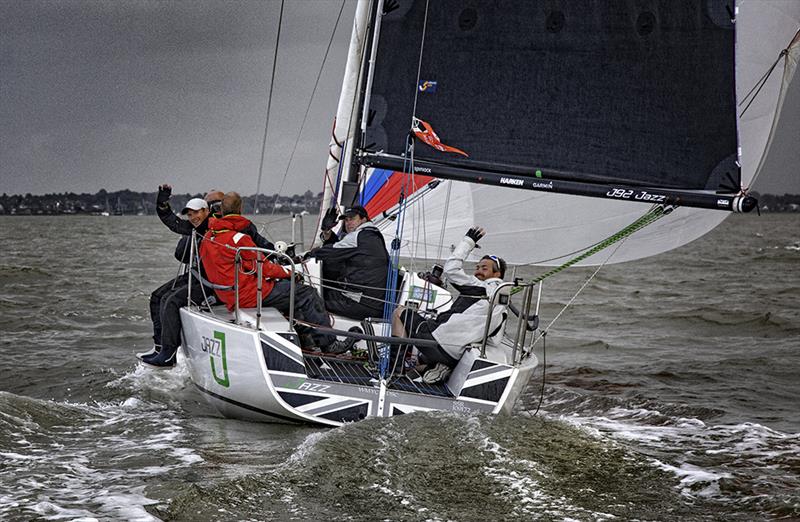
x=130 y=94
x=127 y=94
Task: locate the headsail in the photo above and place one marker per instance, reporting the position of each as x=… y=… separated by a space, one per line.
x=764 y=30
x=587 y=92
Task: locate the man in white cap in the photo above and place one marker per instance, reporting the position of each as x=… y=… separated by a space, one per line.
x=167 y=300
x=197 y=213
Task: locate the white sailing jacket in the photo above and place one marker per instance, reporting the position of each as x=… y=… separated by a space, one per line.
x=467 y=327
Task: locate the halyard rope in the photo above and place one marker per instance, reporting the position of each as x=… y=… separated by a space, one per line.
x=310 y=101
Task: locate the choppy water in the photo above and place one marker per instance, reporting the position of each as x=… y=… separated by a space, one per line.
x=671 y=394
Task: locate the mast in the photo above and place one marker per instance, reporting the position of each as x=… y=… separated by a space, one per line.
x=371 y=72
x=340 y=149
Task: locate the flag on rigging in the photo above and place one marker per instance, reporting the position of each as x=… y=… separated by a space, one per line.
x=427 y=135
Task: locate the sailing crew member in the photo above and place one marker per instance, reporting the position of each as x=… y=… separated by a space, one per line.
x=167 y=299
x=356 y=265
x=464 y=323
x=218 y=252
x=180 y=226
x=197 y=214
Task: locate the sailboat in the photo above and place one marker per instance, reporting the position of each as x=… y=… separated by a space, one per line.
x=107 y=209
x=118 y=208
x=576 y=132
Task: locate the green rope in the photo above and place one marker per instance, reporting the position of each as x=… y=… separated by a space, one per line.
x=652 y=215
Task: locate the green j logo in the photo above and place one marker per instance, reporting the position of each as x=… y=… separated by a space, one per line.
x=224 y=380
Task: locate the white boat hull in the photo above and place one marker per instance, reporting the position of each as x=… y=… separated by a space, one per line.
x=263 y=376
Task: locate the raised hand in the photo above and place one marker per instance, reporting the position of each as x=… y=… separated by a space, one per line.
x=164 y=192
x=475 y=233
x=330 y=219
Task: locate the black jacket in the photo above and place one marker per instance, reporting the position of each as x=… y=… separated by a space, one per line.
x=176 y=224
x=182 y=249
x=362 y=268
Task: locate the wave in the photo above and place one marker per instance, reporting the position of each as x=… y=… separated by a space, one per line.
x=733 y=320
x=27 y=271
x=89 y=461
x=726 y=464
x=440 y=466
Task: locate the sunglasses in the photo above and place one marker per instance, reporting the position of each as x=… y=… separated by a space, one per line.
x=495 y=260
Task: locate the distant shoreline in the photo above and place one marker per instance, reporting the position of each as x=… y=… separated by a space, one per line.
x=126 y=202
x=315 y=212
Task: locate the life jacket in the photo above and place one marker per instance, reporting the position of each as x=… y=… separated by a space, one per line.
x=218 y=255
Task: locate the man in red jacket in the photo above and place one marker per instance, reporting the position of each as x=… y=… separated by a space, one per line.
x=218 y=252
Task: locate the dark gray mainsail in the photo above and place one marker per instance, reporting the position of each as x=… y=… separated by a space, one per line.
x=629 y=102
x=604 y=91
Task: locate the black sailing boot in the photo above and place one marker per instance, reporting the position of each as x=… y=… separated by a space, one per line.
x=154 y=350
x=165 y=359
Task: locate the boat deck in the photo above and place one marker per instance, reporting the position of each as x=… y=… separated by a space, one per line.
x=359 y=371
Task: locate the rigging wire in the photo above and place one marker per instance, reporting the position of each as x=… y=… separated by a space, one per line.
x=655 y=213
x=444 y=221
x=269 y=107
x=341 y=143
x=420 y=230
x=572 y=300
x=419 y=64
x=310 y=101
x=760 y=83
x=543 y=336
x=393 y=269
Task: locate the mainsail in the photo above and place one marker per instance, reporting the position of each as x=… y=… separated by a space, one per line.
x=619 y=98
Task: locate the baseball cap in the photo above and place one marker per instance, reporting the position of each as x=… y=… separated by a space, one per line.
x=357 y=210
x=194 y=204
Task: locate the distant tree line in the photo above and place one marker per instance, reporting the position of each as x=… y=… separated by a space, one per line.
x=775 y=203
x=127 y=202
